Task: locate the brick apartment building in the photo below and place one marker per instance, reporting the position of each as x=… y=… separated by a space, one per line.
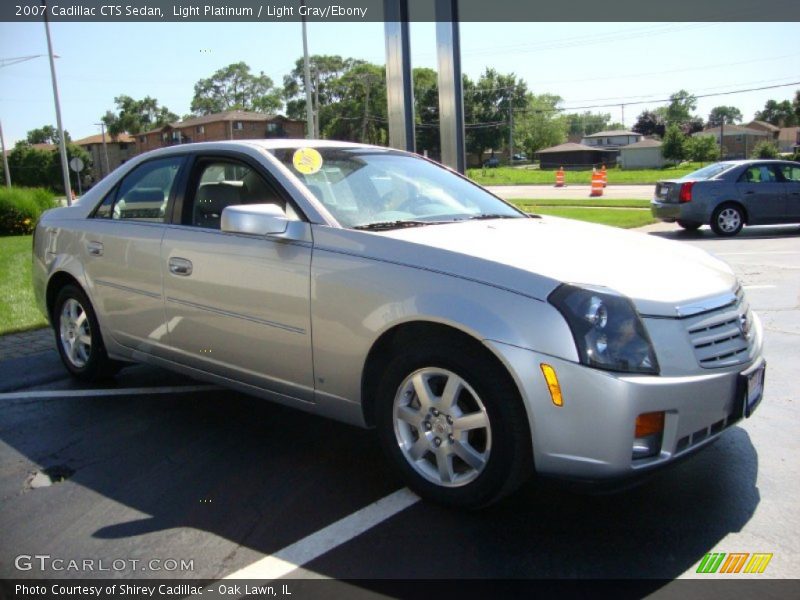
x=231 y=125
x=119 y=150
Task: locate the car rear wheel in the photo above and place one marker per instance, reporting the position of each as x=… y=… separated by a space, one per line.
x=453 y=424
x=78 y=337
x=727 y=220
x=689 y=225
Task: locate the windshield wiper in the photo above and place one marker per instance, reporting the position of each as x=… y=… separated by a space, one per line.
x=385 y=225
x=494 y=216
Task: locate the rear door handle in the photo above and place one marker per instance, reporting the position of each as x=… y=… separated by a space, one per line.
x=180 y=266
x=95 y=248
x=748 y=192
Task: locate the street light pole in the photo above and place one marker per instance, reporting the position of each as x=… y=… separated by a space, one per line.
x=5 y=158
x=62 y=139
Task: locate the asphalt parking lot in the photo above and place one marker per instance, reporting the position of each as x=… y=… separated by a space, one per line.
x=153 y=466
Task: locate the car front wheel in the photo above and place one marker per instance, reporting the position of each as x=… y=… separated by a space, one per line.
x=78 y=337
x=727 y=220
x=453 y=424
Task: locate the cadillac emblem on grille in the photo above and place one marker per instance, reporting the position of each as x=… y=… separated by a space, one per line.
x=744 y=325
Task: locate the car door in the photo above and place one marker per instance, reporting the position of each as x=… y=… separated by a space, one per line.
x=121 y=254
x=237 y=305
x=762 y=193
x=791 y=178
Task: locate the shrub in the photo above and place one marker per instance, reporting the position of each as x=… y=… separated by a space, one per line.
x=765 y=150
x=673 y=145
x=20 y=209
x=702 y=148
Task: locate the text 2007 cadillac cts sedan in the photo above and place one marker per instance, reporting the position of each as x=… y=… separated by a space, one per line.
x=378 y=288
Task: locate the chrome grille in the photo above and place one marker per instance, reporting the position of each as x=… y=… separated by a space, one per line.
x=721 y=337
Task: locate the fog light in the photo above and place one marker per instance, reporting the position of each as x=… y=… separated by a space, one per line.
x=648 y=436
x=552 y=384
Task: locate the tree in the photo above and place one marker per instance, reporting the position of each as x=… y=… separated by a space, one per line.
x=136 y=116
x=426 y=111
x=46 y=135
x=673 y=148
x=650 y=123
x=727 y=115
x=765 y=149
x=359 y=113
x=702 y=148
x=235 y=88
x=796 y=105
x=541 y=126
x=587 y=123
x=693 y=125
x=486 y=109
x=780 y=114
x=324 y=70
x=34 y=167
x=680 y=108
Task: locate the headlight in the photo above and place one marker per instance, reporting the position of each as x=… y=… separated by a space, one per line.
x=607 y=329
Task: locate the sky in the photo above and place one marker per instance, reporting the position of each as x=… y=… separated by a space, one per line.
x=587 y=64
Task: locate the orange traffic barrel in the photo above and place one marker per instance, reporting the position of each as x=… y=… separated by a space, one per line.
x=604 y=176
x=597 y=184
x=560 y=177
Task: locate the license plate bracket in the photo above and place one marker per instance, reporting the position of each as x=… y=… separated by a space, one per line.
x=752 y=386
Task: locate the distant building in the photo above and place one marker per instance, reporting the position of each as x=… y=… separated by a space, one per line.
x=645 y=154
x=769 y=128
x=118 y=150
x=789 y=139
x=575 y=156
x=739 y=141
x=616 y=138
x=231 y=125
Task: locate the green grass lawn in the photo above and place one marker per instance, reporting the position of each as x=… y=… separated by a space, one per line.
x=528 y=203
x=18 y=310
x=512 y=176
x=625 y=218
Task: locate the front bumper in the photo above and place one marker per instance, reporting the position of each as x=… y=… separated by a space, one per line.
x=591 y=436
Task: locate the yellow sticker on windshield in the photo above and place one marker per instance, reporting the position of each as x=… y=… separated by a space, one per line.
x=307 y=161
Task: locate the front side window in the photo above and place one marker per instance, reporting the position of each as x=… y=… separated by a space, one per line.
x=144 y=192
x=374 y=188
x=223 y=183
x=791 y=173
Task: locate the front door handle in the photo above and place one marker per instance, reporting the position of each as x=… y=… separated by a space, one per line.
x=180 y=266
x=95 y=248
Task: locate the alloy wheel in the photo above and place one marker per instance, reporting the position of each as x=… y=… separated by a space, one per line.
x=75 y=333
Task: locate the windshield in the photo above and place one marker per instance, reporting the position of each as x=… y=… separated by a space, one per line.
x=708 y=172
x=374 y=188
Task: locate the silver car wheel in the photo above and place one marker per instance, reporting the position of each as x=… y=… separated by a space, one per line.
x=729 y=220
x=75 y=333
x=442 y=427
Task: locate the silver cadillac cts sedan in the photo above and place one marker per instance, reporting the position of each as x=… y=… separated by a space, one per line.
x=378 y=288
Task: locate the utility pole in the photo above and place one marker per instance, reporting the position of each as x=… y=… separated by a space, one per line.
x=722 y=139
x=62 y=139
x=510 y=132
x=5 y=158
x=105 y=148
x=310 y=129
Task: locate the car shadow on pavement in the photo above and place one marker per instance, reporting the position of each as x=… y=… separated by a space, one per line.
x=756 y=232
x=153 y=475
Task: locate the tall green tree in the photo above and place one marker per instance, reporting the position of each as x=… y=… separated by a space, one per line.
x=235 y=88
x=674 y=145
x=136 y=116
x=727 y=115
x=426 y=110
x=541 y=125
x=46 y=135
x=487 y=105
x=359 y=114
x=702 y=148
x=780 y=114
x=680 y=107
x=587 y=123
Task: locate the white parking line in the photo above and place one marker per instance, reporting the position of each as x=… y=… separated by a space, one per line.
x=759 y=287
x=312 y=546
x=173 y=389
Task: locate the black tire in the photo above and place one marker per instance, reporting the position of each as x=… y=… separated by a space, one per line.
x=508 y=461
x=727 y=220
x=86 y=364
x=689 y=225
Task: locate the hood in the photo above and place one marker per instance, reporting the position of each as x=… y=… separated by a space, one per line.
x=657 y=274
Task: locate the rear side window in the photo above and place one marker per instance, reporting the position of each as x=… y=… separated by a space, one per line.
x=759 y=174
x=144 y=193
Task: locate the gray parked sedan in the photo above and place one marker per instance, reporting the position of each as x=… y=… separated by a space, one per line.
x=375 y=287
x=728 y=195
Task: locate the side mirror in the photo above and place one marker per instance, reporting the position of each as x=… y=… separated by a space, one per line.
x=257 y=219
